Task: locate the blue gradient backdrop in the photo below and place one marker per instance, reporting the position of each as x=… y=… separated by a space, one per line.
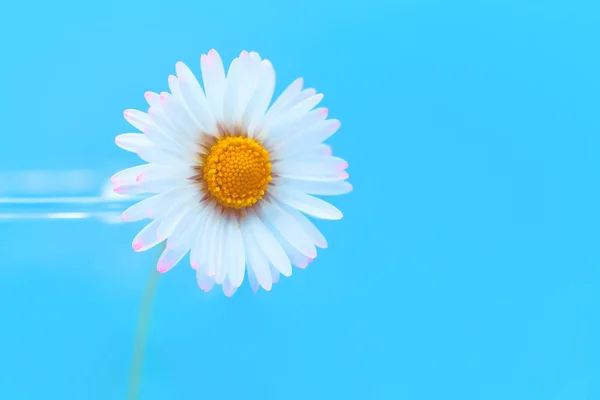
x=466 y=266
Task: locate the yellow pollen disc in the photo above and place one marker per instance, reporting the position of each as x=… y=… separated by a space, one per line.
x=237 y=172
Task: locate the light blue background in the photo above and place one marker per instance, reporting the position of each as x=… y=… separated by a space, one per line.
x=467 y=264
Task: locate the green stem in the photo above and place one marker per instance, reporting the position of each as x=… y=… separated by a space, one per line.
x=140 y=337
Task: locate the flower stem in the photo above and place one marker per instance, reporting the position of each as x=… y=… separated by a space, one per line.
x=140 y=337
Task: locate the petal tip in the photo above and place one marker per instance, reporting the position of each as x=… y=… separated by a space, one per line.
x=161 y=269
x=137 y=246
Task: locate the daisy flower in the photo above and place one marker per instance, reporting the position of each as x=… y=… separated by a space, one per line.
x=230 y=175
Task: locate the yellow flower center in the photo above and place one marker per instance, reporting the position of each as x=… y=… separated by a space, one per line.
x=237 y=171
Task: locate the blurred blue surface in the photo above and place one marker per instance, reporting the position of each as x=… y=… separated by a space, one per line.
x=467 y=264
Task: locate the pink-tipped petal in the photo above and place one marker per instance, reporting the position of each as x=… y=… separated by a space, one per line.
x=138 y=119
x=228 y=289
x=151 y=98
x=275 y=275
x=169 y=258
x=132 y=141
x=308 y=227
x=204 y=282
x=147 y=237
x=301 y=265
x=252 y=278
x=180 y=68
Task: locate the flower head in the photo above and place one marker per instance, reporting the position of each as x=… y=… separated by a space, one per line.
x=230 y=175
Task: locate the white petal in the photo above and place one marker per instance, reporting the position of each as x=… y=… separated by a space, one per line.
x=204 y=281
x=139 y=119
x=296 y=114
x=287 y=96
x=307 y=204
x=152 y=187
x=257 y=261
x=156 y=155
x=165 y=125
x=200 y=244
x=150 y=207
x=275 y=118
x=248 y=78
x=214 y=245
x=274 y=275
x=305 y=140
x=289 y=229
x=129 y=175
x=147 y=237
x=180 y=118
x=228 y=288
x=176 y=90
x=170 y=122
x=157 y=136
x=163 y=172
x=316 y=176
x=258 y=104
x=252 y=280
x=300 y=97
x=222 y=252
x=132 y=142
x=179 y=209
x=270 y=247
x=145 y=172
x=196 y=250
x=153 y=99
x=288 y=128
x=320 y=188
x=303 y=107
x=298 y=259
x=207 y=241
x=310 y=166
x=227 y=253
x=194 y=97
x=320 y=150
x=213 y=75
x=312 y=231
x=238 y=260
x=171 y=257
x=232 y=86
